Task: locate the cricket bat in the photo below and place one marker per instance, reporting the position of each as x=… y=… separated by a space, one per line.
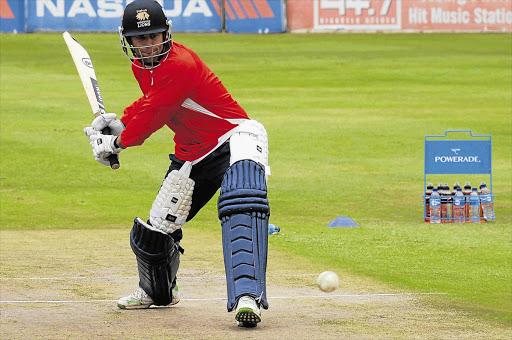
x=85 y=69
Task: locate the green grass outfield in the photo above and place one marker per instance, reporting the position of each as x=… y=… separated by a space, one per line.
x=346 y=117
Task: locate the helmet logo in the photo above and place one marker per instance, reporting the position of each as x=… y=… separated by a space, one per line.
x=143 y=18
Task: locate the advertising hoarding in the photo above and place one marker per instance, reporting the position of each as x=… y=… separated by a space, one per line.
x=357 y=14
x=400 y=15
x=458 y=157
x=105 y=15
x=12 y=16
x=267 y=16
x=261 y=16
x=458 y=15
x=242 y=16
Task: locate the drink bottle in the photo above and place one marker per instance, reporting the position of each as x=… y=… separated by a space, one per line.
x=459 y=207
x=273 y=229
x=455 y=186
x=467 y=192
x=428 y=192
x=449 y=204
x=444 y=201
x=474 y=203
x=481 y=211
x=486 y=203
x=435 y=206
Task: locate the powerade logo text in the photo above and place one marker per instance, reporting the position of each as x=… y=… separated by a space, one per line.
x=456 y=159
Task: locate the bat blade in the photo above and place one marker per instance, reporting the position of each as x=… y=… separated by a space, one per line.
x=87 y=75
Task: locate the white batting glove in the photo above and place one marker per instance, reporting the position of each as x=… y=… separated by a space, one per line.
x=102 y=121
x=102 y=161
x=103 y=146
x=90 y=131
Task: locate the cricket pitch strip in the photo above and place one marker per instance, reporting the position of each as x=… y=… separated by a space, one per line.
x=58 y=284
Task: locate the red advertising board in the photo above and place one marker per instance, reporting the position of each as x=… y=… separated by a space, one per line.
x=357 y=14
x=457 y=15
x=400 y=15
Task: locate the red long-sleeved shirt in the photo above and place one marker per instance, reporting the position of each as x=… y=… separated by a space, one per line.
x=184 y=94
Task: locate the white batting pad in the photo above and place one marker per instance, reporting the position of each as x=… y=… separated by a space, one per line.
x=250 y=141
x=172 y=204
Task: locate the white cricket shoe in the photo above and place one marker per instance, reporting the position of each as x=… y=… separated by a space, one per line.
x=247 y=312
x=140 y=299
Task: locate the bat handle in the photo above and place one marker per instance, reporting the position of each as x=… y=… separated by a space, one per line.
x=114 y=161
x=113 y=158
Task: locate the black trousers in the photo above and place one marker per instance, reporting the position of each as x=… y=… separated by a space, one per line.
x=207 y=175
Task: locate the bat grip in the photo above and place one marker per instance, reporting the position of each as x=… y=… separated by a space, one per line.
x=113 y=158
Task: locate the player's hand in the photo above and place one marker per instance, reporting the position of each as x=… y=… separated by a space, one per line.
x=105 y=120
x=103 y=146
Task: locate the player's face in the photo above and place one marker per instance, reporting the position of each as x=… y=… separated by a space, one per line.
x=149 y=47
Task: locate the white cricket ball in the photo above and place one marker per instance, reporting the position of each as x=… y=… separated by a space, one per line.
x=328 y=281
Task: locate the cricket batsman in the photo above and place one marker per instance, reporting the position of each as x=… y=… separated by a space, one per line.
x=216 y=146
